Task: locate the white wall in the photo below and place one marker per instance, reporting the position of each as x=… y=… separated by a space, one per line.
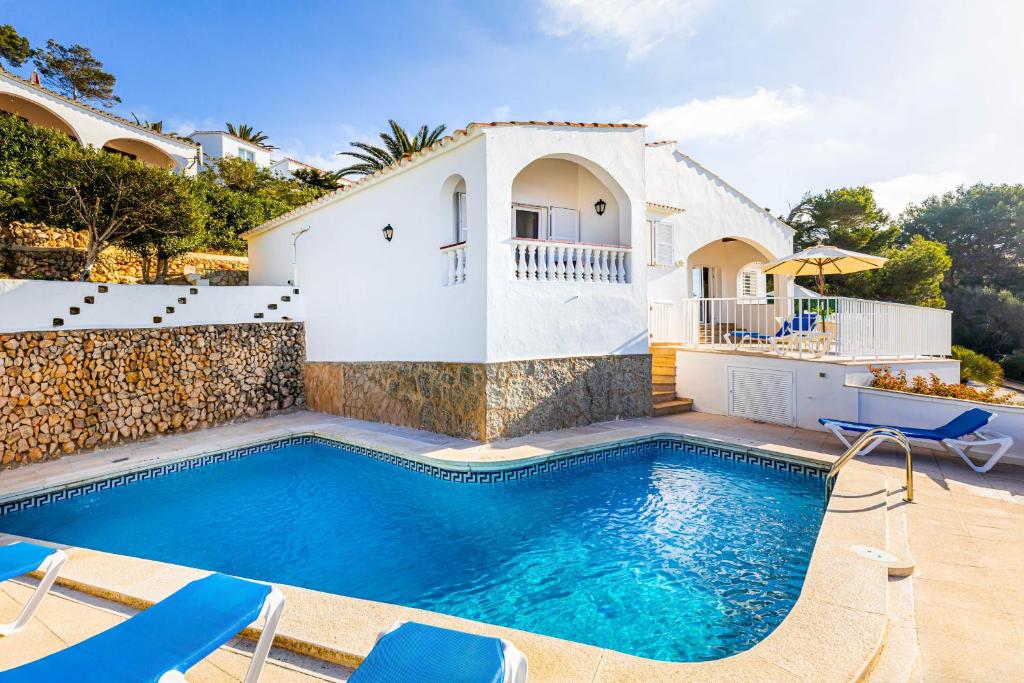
x=712 y=210
x=219 y=144
x=369 y=299
x=559 y=319
x=33 y=304
x=93 y=127
x=822 y=389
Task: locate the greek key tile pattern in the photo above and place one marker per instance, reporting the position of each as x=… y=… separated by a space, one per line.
x=587 y=457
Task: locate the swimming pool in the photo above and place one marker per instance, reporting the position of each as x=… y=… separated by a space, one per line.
x=652 y=549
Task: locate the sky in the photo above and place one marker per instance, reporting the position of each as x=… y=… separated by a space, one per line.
x=910 y=97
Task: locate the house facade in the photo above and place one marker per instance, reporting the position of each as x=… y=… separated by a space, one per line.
x=219 y=143
x=95 y=127
x=513 y=278
x=498 y=283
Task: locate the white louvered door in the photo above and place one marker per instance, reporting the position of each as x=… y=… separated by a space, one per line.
x=762 y=395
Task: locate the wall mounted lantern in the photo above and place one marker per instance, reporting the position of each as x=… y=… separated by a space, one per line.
x=389 y=232
x=600 y=205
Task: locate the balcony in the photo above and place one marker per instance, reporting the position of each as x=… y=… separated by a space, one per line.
x=554 y=261
x=835 y=328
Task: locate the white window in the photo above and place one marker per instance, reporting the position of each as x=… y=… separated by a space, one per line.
x=750 y=282
x=529 y=222
x=663 y=244
x=246 y=154
x=565 y=224
x=461 y=225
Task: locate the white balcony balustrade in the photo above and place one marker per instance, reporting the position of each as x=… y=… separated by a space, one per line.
x=827 y=326
x=549 y=261
x=455 y=263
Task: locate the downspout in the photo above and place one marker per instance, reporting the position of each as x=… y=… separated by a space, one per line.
x=295 y=255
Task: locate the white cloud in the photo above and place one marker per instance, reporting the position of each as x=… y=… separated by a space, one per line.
x=640 y=25
x=894 y=194
x=727 y=115
x=501 y=113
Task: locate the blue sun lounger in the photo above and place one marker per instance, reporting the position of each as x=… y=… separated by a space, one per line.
x=965 y=432
x=410 y=651
x=804 y=323
x=164 y=641
x=21 y=558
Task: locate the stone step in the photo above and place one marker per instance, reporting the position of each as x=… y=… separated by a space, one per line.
x=680 y=405
x=664 y=377
x=664 y=386
x=661 y=397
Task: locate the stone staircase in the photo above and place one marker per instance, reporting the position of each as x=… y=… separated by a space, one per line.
x=663 y=360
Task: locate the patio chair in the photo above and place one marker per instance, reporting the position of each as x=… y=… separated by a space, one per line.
x=801 y=324
x=410 y=651
x=21 y=558
x=960 y=435
x=164 y=641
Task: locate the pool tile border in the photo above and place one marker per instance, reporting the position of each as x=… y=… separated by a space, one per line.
x=562 y=460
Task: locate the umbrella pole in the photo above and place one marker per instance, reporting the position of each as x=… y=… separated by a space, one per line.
x=821 y=279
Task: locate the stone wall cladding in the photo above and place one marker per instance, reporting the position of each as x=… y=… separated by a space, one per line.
x=485 y=401
x=44 y=253
x=65 y=391
x=530 y=396
x=447 y=398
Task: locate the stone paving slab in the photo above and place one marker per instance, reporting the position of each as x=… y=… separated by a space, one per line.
x=963 y=530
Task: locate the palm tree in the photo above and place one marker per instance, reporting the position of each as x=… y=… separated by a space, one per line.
x=397 y=144
x=247 y=132
x=155 y=126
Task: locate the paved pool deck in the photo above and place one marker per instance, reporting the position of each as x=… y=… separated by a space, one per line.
x=960 y=616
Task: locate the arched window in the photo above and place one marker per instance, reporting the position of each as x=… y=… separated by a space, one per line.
x=454 y=221
x=751 y=281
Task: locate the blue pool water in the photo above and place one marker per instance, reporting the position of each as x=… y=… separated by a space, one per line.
x=669 y=554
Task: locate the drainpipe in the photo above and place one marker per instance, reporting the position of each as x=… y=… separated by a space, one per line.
x=295 y=255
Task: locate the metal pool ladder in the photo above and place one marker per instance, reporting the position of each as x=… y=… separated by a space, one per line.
x=873 y=437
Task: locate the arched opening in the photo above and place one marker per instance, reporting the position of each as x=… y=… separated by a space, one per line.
x=35 y=114
x=140 y=150
x=454 y=212
x=730 y=290
x=565 y=198
x=728 y=267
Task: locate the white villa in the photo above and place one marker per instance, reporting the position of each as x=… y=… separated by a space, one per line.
x=514 y=276
x=95 y=127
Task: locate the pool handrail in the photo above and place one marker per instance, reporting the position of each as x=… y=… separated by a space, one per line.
x=876 y=435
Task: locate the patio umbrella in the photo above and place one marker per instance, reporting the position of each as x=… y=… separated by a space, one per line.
x=823 y=260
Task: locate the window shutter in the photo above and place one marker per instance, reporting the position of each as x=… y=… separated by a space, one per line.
x=463 y=227
x=663 y=250
x=565 y=224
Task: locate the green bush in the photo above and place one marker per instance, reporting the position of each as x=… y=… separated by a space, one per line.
x=975 y=366
x=1013 y=364
x=23 y=150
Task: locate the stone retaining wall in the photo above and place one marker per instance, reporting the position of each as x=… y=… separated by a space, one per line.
x=484 y=401
x=61 y=392
x=43 y=253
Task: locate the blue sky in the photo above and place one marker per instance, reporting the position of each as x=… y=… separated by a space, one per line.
x=909 y=96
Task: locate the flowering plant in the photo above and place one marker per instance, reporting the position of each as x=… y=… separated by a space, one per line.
x=884 y=378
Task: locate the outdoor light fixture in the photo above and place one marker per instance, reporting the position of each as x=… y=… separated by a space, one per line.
x=600 y=206
x=389 y=232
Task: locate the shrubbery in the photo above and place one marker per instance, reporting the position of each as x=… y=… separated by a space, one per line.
x=884 y=378
x=230 y=196
x=975 y=366
x=1013 y=364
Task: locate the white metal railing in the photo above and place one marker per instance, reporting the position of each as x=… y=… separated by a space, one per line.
x=549 y=261
x=455 y=263
x=826 y=326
